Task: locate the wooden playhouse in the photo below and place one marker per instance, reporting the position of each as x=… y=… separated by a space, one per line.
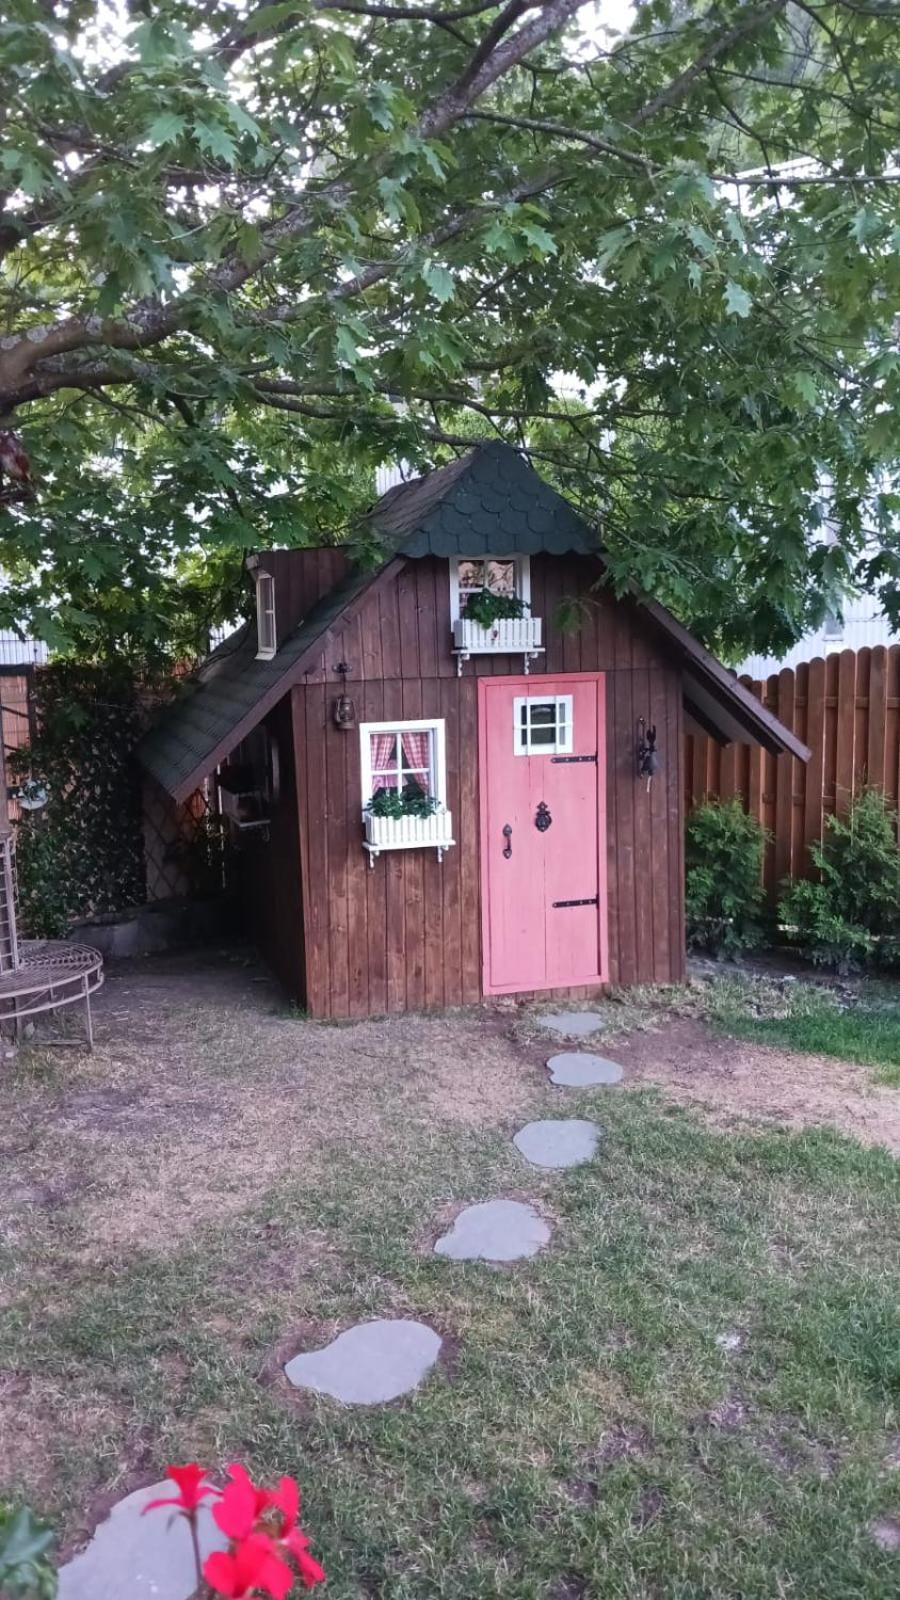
x=457 y=773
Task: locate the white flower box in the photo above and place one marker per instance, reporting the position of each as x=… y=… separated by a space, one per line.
x=408 y=833
x=507 y=636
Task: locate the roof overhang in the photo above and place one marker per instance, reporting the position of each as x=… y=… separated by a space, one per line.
x=721 y=705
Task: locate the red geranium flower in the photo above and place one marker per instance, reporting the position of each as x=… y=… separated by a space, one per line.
x=192 y=1489
x=286 y=1499
x=254 y=1565
x=241 y=1505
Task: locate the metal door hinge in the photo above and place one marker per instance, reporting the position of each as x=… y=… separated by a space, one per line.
x=567 y=760
x=559 y=905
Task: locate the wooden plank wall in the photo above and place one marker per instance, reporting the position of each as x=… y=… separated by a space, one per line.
x=406 y=934
x=301 y=578
x=847 y=709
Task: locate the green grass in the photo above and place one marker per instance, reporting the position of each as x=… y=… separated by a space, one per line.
x=589 y=1436
x=854 y=1023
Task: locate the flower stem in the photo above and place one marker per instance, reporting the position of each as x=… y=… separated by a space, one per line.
x=195 y=1541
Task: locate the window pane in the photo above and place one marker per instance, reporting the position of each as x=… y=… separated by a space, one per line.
x=543 y=713
x=543 y=736
x=501 y=577
x=471 y=574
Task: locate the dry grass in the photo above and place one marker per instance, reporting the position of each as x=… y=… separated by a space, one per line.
x=223 y=1183
x=202 y=1092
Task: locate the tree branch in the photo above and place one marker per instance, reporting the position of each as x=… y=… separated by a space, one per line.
x=675 y=90
x=148 y=323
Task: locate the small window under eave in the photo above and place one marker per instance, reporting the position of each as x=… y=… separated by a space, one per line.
x=266 y=637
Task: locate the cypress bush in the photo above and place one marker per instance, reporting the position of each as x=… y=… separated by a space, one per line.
x=850 y=914
x=723 y=879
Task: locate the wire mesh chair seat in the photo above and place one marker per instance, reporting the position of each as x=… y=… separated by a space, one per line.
x=51 y=974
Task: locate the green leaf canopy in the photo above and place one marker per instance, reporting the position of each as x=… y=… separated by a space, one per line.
x=246 y=255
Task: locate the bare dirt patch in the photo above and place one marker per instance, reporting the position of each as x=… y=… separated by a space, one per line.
x=729 y=1079
x=204 y=1090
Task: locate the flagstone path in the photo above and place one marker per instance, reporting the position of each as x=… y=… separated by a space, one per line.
x=572 y=1024
x=369 y=1364
x=495 y=1230
x=578 y=1069
x=558 y=1144
x=137 y=1557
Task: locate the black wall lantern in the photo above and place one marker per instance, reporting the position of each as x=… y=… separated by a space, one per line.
x=649 y=760
x=343 y=710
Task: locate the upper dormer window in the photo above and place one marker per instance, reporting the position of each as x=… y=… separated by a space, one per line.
x=503 y=575
x=266 y=640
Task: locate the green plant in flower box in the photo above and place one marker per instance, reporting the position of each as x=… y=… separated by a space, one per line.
x=486 y=608
x=410 y=801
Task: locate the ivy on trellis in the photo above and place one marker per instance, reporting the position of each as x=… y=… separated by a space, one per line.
x=82 y=854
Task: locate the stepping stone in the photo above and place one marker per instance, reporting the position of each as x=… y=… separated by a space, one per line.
x=496 y=1230
x=574 y=1024
x=577 y=1069
x=371 y=1363
x=558 y=1144
x=136 y=1557
x=886 y=1533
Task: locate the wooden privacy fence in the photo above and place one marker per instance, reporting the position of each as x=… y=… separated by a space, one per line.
x=847 y=709
x=16 y=718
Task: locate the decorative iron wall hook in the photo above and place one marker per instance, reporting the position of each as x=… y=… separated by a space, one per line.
x=649 y=760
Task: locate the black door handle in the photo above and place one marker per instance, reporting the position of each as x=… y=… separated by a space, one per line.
x=507 y=834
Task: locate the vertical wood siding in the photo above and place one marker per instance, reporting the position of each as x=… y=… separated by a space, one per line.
x=847 y=709
x=406 y=934
x=301 y=578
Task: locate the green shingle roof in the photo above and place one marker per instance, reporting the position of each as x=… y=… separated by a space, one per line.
x=185 y=744
x=489 y=502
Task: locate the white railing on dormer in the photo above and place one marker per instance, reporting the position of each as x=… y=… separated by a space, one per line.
x=510 y=636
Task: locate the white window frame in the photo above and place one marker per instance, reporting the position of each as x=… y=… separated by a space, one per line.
x=523 y=579
x=266 y=631
x=560 y=747
x=438 y=766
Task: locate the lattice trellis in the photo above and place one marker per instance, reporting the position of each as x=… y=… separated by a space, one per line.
x=183 y=844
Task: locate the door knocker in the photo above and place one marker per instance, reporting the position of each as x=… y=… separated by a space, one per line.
x=542 y=817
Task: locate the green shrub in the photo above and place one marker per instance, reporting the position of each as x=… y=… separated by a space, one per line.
x=26 y=1571
x=850 y=914
x=723 y=886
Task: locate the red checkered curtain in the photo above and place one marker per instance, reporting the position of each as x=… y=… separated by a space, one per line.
x=383 y=747
x=416 y=754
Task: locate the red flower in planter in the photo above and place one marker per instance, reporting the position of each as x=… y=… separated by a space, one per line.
x=286 y=1499
x=254 y=1566
x=192 y=1489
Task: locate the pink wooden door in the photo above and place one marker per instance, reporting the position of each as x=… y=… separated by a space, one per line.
x=543 y=833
